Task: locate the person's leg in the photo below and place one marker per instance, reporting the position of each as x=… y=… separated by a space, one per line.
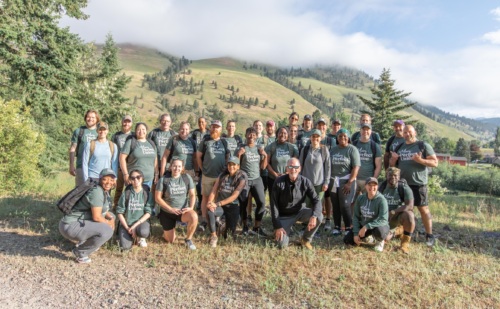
x=198 y=193
x=143 y=230
x=212 y=218
x=206 y=188
x=169 y=235
x=379 y=232
x=119 y=188
x=79 y=177
x=232 y=213
x=286 y=224
x=124 y=238
x=337 y=217
x=191 y=218
x=304 y=216
x=92 y=234
x=345 y=201
x=407 y=220
x=167 y=222
x=349 y=239
x=257 y=191
x=270 y=183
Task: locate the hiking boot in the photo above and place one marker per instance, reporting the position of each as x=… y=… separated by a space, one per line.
x=379 y=246
x=398 y=232
x=213 y=241
x=202 y=227
x=328 y=225
x=336 y=232
x=405 y=243
x=244 y=231
x=189 y=244
x=80 y=260
x=306 y=244
x=259 y=231
x=142 y=243
x=430 y=240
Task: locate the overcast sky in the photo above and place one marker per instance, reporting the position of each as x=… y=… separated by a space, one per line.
x=447 y=53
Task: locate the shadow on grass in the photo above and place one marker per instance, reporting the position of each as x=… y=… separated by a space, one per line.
x=14 y=244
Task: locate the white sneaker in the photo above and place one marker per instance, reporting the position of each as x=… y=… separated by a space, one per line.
x=328 y=225
x=379 y=246
x=142 y=243
x=336 y=232
x=370 y=240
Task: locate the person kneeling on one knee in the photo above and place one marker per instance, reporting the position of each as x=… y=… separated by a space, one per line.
x=288 y=205
x=370 y=217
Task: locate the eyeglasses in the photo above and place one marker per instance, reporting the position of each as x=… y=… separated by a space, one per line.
x=135 y=178
x=295 y=167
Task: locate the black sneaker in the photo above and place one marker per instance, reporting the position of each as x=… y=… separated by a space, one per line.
x=259 y=231
x=430 y=240
x=244 y=231
x=202 y=227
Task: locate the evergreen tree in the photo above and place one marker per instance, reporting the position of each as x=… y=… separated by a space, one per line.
x=497 y=143
x=462 y=149
x=385 y=104
x=475 y=150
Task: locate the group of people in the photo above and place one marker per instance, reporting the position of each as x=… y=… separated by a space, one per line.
x=210 y=180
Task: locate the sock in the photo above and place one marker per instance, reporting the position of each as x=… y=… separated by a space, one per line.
x=429 y=235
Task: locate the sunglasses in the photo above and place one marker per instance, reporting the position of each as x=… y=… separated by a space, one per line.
x=135 y=178
x=295 y=167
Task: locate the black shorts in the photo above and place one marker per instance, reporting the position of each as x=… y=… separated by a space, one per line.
x=168 y=220
x=420 y=195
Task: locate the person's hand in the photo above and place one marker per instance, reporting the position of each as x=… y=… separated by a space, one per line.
x=362 y=232
x=313 y=221
x=279 y=234
x=394 y=156
x=357 y=240
x=241 y=151
x=175 y=211
x=417 y=158
x=111 y=223
x=346 y=189
x=126 y=180
x=184 y=210
x=72 y=171
x=324 y=188
x=262 y=152
x=211 y=206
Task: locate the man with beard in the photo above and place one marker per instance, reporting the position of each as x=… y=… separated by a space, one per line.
x=81 y=136
x=394 y=141
x=197 y=136
x=161 y=136
x=211 y=156
x=306 y=132
x=366 y=119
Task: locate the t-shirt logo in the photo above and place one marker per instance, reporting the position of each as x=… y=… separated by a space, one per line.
x=90 y=137
x=339 y=159
x=282 y=153
x=185 y=149
x=177 y=189
x=364 y=155
x=252 y=157
x=405 y=155
x=134 y=204
x=162 y=140
x=147 y=150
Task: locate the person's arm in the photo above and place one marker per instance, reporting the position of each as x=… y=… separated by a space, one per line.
x=155 y=179
x=98 y=217
x=123 y=167
x=192 y=200
x=382 y=216
x=408 y=203
x=71 y=151
x=270 y=168
x=430 y=161
x=378 y=167
x=114 y=159
x=327 y=170
x=263 y=160
x=316 y=202
x=163 y=165
x=85 y=161
x=198 y=162
x=387 y=157
x=161 y=202
x=394 y=159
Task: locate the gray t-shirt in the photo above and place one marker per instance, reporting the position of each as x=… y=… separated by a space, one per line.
x=88 y=135
x=279 y=154
x=183 y=149
x=343 y=160
x=227 y=188
x=414 y=173
x=250 y=161
x=316 y=166
x=367 y=168
x=214 y=160
x=120 y=138
x=394 y=144
x=136 y=207
x=232 y=143
x=142 y=158
x=161 y=139
x=393 y=198
x=174 y=190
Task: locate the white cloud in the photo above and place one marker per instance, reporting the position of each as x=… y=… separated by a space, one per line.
x=496 y=12
x=285 y=32
x=492 y=37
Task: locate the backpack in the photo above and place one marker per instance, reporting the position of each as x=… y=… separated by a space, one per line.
x=421 y=147
x=206 y=138
x=374 y=149
x=175 y=140
x=133 y=144
x=80 y=137
x=92 y=148
x=145 y=192
x=273 y=149
x=168 y=174
x=401 y=188
x=117 y=134
x=70 y=199
x=306 y=151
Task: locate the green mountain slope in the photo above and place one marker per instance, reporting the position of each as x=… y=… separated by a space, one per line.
x=215 y=79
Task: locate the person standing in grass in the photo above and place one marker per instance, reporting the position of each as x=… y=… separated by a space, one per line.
x=370 y=217
x=253 y=158
x=370 y=156
x=305 y=133
x=223 y=200
x=90 y=223
x=198 y=135
x=176 y=196
x=134 y=210
x=161 y=136
x=288 y=206
x=232 y=139
x=413 y=157
x=400 y=200
x=394 y=141
x=99 y=154
x=345 y=166
x=119 y=138
x=81 y=136
x=181 y=146
x=374 y=136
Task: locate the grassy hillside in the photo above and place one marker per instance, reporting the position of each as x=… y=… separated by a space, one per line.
x=225 y=72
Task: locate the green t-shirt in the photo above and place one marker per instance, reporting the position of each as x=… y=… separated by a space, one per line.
x=214 y=161
x=367 y=168
x=232 y=143
x=95 y=197
x=142 y=158
x=184 y=150
x=174 y=191
x=88 y=135
x=136 y=207
x=120 y=138
x=227 y=188
x=280 y=156
x=414 y=173
x=394 y=144
x=305 y=136
x=250 y=161
x=370 y=213
x=265 y=141
x=343 y=160
x=161 y=139
x=393 y=198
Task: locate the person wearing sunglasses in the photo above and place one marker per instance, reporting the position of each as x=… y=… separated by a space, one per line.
x=134 y=210
x=288 y=206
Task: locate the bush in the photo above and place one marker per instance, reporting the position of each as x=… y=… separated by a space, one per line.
x=21 y=146
x=468 y=179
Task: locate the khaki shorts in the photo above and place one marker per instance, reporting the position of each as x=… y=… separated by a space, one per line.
x=207 y=183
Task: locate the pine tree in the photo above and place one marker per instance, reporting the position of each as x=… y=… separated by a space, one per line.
x=385 y=104
x=462 y=149
x=497 y=143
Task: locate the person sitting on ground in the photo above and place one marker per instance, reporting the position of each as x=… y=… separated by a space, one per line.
x=223 y=200
x=90 y=223
x=176 y=196
x=400 y=200
x=288 y=206
x=370 y=217
x=134 y=210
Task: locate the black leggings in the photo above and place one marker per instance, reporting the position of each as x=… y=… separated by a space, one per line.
x=256 y=188
x=341 y=208
x=231 y=213
x=379 y=232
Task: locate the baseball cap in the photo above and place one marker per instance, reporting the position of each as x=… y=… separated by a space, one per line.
x=127 y=117
x=102 y=124
x=107 y=172
x=371 y=179
x=321 y=120
x=316 y=132
x=344 y=131
x=233 y=159
x=270 y=123
x=216 y=122
x=308 y=117
x=399 y=122
x=337 y=121
x=366 y=125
